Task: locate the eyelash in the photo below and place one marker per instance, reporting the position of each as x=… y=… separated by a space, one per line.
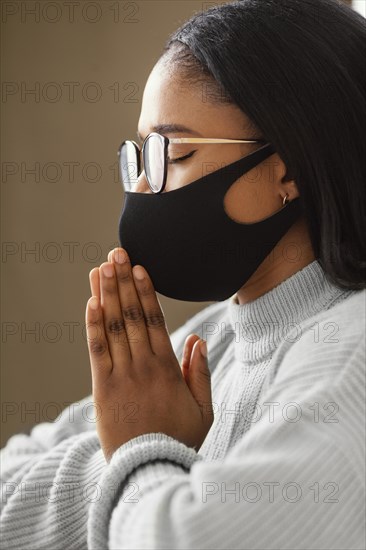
x=181 y=159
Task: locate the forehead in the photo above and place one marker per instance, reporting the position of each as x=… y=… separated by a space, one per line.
x=169 y=100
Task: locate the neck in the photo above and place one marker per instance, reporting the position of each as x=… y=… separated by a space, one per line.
x=292 y=253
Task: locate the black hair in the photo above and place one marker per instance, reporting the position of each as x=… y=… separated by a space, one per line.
x=296 y=68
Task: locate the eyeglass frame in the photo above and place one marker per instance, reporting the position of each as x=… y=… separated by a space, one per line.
x=166 y=141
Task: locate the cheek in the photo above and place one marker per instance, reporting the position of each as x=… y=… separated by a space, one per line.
x=253 y=197
x=185 y=173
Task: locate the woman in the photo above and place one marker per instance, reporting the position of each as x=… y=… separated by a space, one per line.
x=260 y=444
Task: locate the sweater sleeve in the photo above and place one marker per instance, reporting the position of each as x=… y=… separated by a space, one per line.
x=23 y=450
x=294 y=480
x=45 y=505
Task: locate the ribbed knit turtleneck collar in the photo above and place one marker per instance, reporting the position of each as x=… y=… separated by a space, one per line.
x=261 y=325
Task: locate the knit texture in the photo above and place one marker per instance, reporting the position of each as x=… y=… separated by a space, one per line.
x=282 y=467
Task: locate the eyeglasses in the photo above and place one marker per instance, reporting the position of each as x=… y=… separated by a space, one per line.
x=154 y=153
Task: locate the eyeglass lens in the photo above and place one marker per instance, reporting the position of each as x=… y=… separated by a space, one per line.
x=153 y=163
x=128 y=165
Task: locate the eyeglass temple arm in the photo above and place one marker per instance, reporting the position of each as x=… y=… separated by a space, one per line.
x=214 y=140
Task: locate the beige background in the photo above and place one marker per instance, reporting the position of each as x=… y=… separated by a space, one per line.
x=69 y=221
x=88 y=70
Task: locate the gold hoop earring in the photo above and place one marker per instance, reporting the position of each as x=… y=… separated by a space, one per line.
x=285 y=200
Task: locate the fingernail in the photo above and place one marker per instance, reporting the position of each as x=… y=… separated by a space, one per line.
x=120 y=256
x=93 y=302
x=108 y=270
x=138 y=272
x=203 y=348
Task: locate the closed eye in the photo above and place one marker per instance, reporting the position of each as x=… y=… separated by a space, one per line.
x=180 y=159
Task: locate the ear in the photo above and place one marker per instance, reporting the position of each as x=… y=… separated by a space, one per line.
x=286 y=181
x=289 y=187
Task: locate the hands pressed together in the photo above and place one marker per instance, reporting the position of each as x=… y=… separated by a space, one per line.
x=138 y=385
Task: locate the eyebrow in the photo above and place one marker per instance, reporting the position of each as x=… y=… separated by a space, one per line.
x=169 y=129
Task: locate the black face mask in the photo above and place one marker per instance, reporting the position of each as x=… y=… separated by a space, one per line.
x=189 y=246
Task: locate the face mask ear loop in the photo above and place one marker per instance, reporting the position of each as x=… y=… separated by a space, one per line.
x=249 y=161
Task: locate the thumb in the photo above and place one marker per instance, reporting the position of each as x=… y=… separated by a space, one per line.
x=200 y=377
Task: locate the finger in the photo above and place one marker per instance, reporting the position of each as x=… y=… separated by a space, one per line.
x=187 y=353
x=132 y=310
x=200 y=381
x=113 y=319
x=94 y=282
x=100 y=359
x=154 y=316
x=110 y=256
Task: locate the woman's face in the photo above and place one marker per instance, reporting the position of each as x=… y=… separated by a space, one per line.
x=167 y=100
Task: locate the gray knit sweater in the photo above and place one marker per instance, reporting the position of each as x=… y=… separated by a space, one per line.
x=282 y=467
